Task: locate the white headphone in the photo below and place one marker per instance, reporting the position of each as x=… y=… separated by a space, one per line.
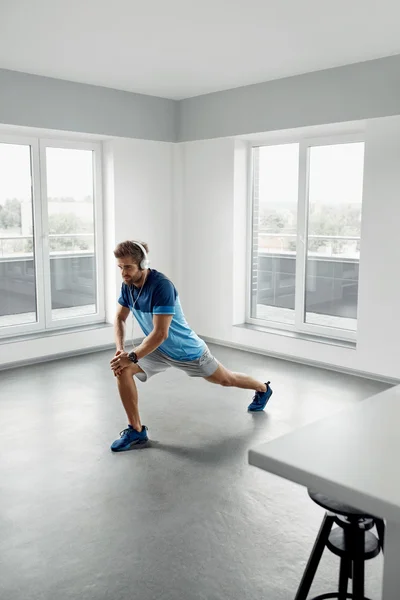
x=144 y=263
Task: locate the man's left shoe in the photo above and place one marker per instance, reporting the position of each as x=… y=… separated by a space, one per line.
x=129 y=438
x=260 y=400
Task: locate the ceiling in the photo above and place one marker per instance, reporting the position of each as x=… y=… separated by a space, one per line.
x=182 y=48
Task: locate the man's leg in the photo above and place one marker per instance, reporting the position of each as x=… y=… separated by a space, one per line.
x=135 y=433
x=223 y=376
x=129 y=395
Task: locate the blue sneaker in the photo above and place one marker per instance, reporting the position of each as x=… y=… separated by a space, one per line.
x=260 y=400
x=130 y=437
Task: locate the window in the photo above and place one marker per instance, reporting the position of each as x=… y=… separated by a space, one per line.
x=306 y=227
x=50 y=235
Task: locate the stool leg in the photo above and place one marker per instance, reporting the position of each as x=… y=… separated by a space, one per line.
x=315 y=557
x=358 y=564
x=343 y=579
x=380 y=528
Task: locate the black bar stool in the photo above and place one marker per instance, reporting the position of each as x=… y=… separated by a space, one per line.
x=352 y=541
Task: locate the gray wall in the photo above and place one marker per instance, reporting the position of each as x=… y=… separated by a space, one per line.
x=361 y=91
x=365 y=90
x=34 y=101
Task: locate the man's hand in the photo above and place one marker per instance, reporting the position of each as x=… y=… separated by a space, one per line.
x=120 y=362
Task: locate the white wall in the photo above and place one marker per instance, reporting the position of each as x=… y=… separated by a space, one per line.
x=137 y=186
x=139 y=205
x=379 y=302
x=143 y=197
x=188 y=201
x=214 y=245
x=206 y=244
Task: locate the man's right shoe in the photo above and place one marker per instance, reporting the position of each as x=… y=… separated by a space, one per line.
x=129 y=437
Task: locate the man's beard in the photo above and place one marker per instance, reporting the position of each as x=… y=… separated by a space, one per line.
x=135 y=280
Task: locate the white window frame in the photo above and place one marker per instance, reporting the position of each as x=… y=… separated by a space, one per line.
x=41 y=240
x=300 y=326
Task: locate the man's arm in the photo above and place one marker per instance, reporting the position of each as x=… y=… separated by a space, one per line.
x=119 y=326
x=157 y=336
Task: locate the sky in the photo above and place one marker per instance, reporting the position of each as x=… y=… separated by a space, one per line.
x=69 y=172
x=335 y=174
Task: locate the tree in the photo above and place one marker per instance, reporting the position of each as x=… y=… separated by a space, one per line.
x=10 y=214
x=274 y=221
x=64 y=223
x=325 y=221
x=330 y=220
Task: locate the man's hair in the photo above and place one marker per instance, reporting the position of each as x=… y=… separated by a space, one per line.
x=129 y=248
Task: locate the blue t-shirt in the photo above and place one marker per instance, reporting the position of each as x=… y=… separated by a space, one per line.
x=159 y=297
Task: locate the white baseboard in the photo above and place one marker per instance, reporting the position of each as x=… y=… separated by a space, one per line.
x=302 y=361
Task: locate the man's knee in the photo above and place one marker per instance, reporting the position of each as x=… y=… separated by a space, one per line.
x=222 y=377
x=124 y=374
x=129 y=372
x=228 y=380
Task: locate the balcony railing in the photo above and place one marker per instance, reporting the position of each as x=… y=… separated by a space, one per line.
x=13 y=246
x=332 y=279
x=72 y=276
x=350 y=244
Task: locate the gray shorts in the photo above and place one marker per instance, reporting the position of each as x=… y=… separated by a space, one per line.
x=157 y=362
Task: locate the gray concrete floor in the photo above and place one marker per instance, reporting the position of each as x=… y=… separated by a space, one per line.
x=186 y=518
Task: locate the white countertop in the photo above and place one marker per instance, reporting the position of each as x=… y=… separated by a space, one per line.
x=353 y=456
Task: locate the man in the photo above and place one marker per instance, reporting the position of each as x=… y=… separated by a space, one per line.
x=169 y=341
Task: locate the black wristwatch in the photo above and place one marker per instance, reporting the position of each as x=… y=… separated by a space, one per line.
x=132 y=357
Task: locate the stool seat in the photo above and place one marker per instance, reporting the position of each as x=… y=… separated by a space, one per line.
x=340 y=544
x=339 y=508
